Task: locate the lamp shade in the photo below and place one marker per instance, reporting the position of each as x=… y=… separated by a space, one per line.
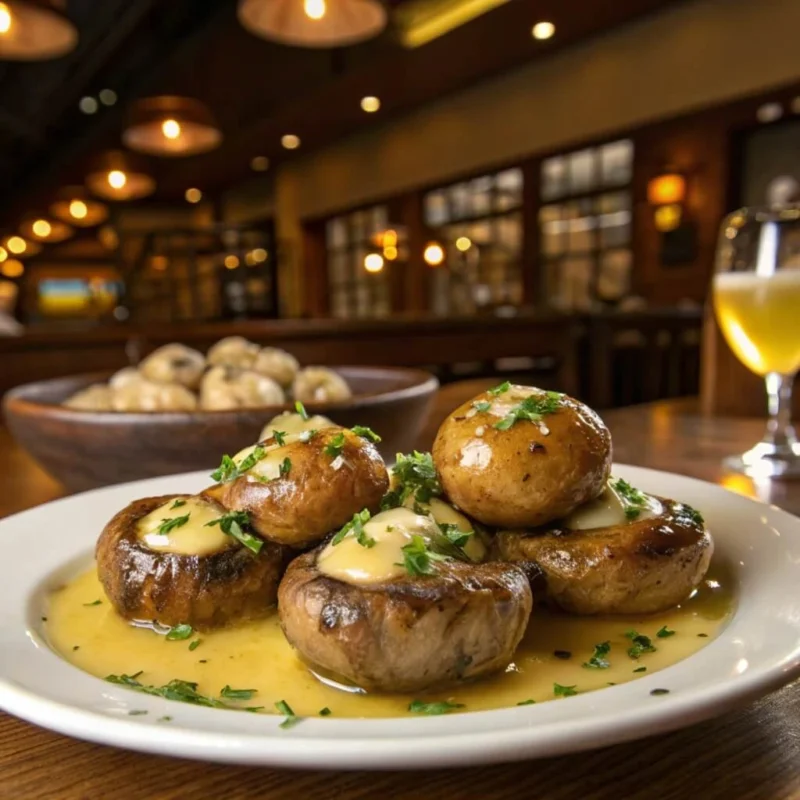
x=35 y=30
x=42 y=229
x=666 y=189
x=75 y=206
x=313 y=23
x=115 y=175
x=171 y=126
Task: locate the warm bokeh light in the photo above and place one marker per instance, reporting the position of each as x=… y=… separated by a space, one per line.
x=543 y=30
x=666 y=189
x=290 y=141
x=193 y=195
x=463 y=243
x=171 y=128
x=389 y=238
x=12 y=268
x=42 y=228
x=315 y=9
x=16 y=245
x=259 y=163
x=259 y=255
x=3 y=254
x=108 y=237
x=6 y=19
x=88 y=105
x=668 y=217
x=370 y=104
x=433 y=254
x=373 y=262
x=107 y=97
x=78 y=209
x=159 y=263
x=117 y=179
x=231 y=262
x=390 y=252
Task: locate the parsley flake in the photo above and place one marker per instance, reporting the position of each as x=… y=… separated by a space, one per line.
x=366 y=433
x=441 y=707
x=501 y=389
x=301 y=410
x=415 y=475
x=229 y=470
x=598 y=659
x=454 y=535
x=564 y=691
x=641 y=644
x=335 y=446
x=285 y=467
x=179 y=632
x=640 y=669
x=482 y=405
x=418 y=558
x=356 y=525
x=94 y=603
x=703 y=635
x=279 y=437
x=307 y=436
x=182 y=691
x=291 y=717
x=177 y=504
x=527 y=703
x=562 y=654
x=633 y=500
x=532 y=409
x=325 y=712
x=656 y=692
x=665 y=632
x=170 y=524
x=233 y=524
x=237 y=694
x=136 y=712
x=195 y=644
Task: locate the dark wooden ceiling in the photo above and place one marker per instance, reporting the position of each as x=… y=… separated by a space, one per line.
x=257 y=90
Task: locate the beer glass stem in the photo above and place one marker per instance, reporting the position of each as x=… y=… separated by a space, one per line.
x=780 y=435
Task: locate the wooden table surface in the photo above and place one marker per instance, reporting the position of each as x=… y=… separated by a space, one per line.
x=748 y=754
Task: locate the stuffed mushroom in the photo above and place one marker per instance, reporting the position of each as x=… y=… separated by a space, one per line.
x=624 y=553
x=517 y=456
x=169 y=560
x=225 y=388
x=386 y=610
x=233 y=351
x=174 y=363
x=320 y=385
x=276 y=364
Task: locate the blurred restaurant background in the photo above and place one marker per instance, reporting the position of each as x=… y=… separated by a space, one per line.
x=480 y=188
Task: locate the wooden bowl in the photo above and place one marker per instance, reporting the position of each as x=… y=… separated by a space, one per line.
x=85 y=449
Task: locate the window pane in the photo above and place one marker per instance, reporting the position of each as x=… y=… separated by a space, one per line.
x=581 y=227
x=339 y=304
x=460 y=200
x=480 y=233
x=613 y=281
x=359 y=225
x=509 y=190
x=554 y=178
x=617 y=162
x=337 y=267
x=436 y=212
x=615 y=219
x=336 y=233
x=509 y=234
x=380 y=218
x=553 y=230
x=481 y=196
x=581 y=171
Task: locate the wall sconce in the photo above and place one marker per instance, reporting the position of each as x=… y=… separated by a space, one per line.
x=667 y=193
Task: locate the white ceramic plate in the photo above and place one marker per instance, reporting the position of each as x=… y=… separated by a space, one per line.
x=759 y=650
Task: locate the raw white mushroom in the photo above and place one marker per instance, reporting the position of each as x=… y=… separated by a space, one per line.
x=147 y=395
x=174 y=363
x=320 y=385
x=233 y=351
x=277 y=364
x=290 y=422
x=227 y=388
x=96 y=397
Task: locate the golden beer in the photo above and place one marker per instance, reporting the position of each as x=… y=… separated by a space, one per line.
x=760 y=318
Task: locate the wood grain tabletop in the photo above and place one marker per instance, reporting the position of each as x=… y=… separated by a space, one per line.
x=749 y=754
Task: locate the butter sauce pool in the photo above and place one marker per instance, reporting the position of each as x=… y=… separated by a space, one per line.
x=256 y=656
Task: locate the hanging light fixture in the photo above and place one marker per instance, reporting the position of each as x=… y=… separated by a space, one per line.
x=117 y=176
x=35 y=30
x=42 y=229
x=313 y=23
x=171 y=126
x=75 y=206
x=19 y=247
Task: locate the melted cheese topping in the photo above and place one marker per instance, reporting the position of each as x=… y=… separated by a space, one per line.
x=289 y=422
x=445 y=514
x=608 y=510
x=194 y=538
x=256 y=655
x=392 y=530
x=269 y=467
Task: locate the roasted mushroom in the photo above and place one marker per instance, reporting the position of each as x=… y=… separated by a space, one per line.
x=144 y=395
x=228 y=387
x=276 y=364
x=96 y=397
x=233 y=351
x=517 y=456
x=291 y=422
x=174 y=363
x=623 y=553
x=384 y=612
x=320 y=385
x=298 y=491
x=167 y=560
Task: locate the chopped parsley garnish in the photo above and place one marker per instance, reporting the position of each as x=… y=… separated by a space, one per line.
x=418 y=558
x=482 y=405
x=183 y=691
x=562 y=654
x=659 y=691
x=306 y=436
x=233 y=524
x=136 y=712
x=177 y=504
x=641 y=644
x=179 y=632
x=687 y=515
x=170 y=524
x=366 y=433
x=237 y=694
x=640 y=669
x=501 y=389
x=325 y=712
x=703 y=635
x=291 y=717
x=454 y=535
x=665 y=632
x=633 y=500
x=564 y=691
x=532 y=409
x=195 y=644
x=94 y=603
x=164 y=719
x=335 y=446
x=441 y=707
x=75 y=647
x=598 y=659
x=356 y=525
x=279 y=437
x=229 y=470
x=285 y=467
x=415 y=475
x=301 y=410
x=362 y=538
x=527 y=703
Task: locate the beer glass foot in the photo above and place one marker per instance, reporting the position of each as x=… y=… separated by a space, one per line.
x=767 y=460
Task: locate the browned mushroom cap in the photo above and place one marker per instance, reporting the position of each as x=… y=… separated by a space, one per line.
x=220 y=582
x=407 y=634
x=639 y=567
x=301 y=491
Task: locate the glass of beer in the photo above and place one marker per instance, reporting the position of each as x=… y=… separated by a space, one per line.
x=756 y=296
